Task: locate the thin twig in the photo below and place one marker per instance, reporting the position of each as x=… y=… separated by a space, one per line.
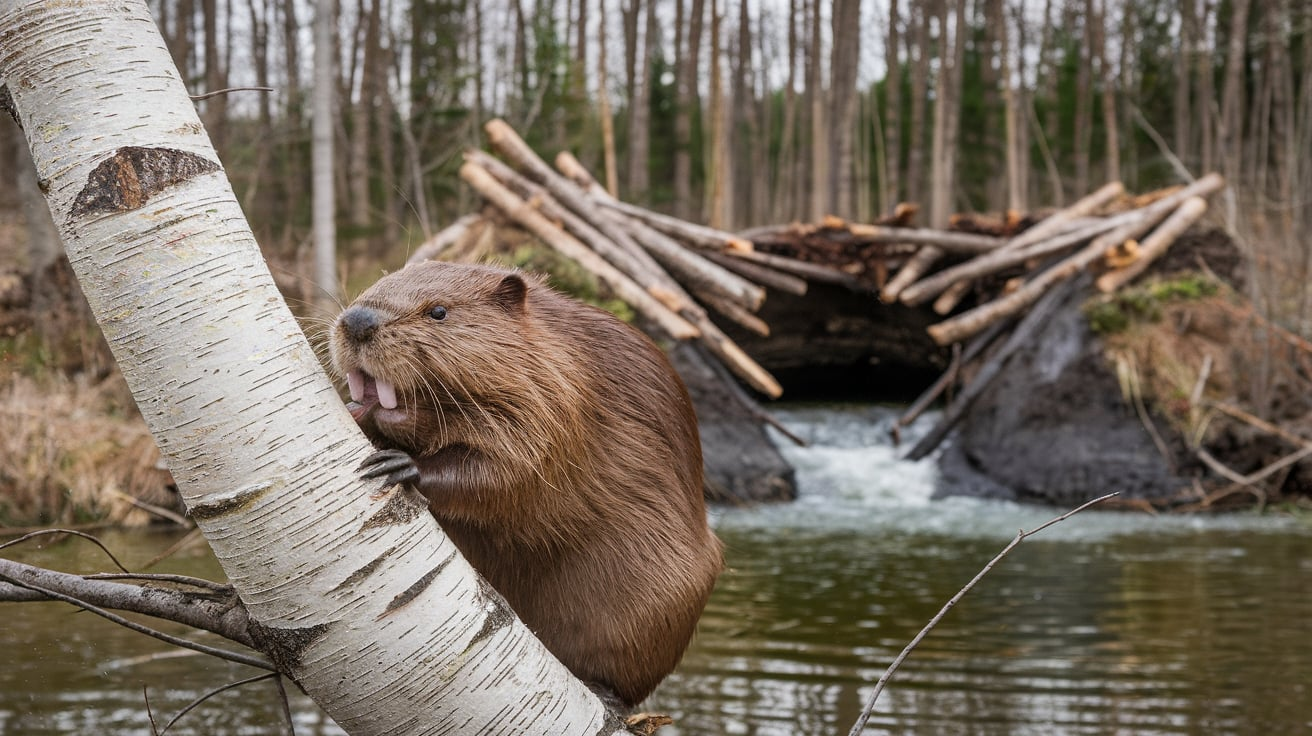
x=286 y=706
x=237 y=657
x=150 y=715
x=151 y=508
x=1177 y=165
x=214 y=692
x=44 y=532
x=226 y=90
x=192 y=536
x=201 y=583
x=1020 y=536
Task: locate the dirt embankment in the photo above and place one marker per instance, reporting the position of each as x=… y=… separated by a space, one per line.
x=1174 y=392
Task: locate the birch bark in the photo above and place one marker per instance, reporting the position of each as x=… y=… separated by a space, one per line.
x=357 y=595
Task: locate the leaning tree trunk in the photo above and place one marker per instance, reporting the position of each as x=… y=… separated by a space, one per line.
x=357 y=594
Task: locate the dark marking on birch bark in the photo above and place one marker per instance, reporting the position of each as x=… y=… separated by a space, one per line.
x=286 y=646
x=499 y=613
x=7 y=105
x=238 y=501
x=418 y=587
x=402 y=507
x=128 y=179
x=364 y=572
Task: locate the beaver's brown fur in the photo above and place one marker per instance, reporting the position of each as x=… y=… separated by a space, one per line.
x=557 y=448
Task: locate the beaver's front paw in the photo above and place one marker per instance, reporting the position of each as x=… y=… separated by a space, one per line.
x=395 y=467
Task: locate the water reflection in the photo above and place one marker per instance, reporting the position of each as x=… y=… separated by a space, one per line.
x=1109 y=623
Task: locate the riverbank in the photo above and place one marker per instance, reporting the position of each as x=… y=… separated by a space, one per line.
x=1159 y=395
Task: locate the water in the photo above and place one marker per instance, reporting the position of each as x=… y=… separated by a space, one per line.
x=1107 y=623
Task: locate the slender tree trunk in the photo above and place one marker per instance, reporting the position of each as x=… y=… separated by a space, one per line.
x=180 y=44
x=1204 y=96
x=1083 y=132
x=1183 y=113
x=254 y=434
x=292 y=161
x=819 y=121
x=1046 y=89
x=1109 y=119
x=1130 y=89
x=1022 y=99
x=603 y=99
x=685 y=204
x=1283 y=154
x=844 y=59
x=630 y=15
x=391 y=183
x=919 y=93
x=1016 y=160
x=640 y=109
x=786 y=179
x=946 y=111
x=259 y=21
x=216 y=78
x=718 y=198
x=892 y=118
x=359 y=176
x=1232 y=102
x=324 y=198
x=523 y=92
x=742 y=135
x=991 y=18
x=764 y=106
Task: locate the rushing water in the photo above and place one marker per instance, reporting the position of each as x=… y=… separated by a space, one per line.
x=1107 y=623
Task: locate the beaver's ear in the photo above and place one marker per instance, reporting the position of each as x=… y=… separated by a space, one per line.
x=511 y=294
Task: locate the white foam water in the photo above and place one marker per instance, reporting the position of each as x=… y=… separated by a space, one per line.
x=851 y=476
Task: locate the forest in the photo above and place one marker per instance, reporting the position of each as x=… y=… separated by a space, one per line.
x=752 y=113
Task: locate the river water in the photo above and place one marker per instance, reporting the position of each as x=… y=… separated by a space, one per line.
x=1108 y=623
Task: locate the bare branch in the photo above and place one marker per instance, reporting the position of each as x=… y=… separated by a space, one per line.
x=226 y=90
x=237 y=657
x=218 y=612
x=211 y=694
x=46 y=532
x=1020 y=536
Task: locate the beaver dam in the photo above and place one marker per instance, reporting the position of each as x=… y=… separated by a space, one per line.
x=1109 y=345
x=1075 y=351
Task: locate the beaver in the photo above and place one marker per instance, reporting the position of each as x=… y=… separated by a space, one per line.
x=558 y=450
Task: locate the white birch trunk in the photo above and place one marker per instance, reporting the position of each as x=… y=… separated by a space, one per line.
x=360 y=597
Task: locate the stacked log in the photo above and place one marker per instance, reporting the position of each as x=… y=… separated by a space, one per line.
x=676 y=273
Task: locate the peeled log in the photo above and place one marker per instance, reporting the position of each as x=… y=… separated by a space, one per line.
x=984 y=265
x=921 y=262
x=521 y=156
x=698 y=235
x=1055 y=223
x=656 y=282
x=705 y=274
x=1155 y=245
x=763 y=275
x=971 y=322
x=951 y=242
x=533 y=221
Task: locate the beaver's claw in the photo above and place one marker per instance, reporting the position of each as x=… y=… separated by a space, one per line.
x=395 y=467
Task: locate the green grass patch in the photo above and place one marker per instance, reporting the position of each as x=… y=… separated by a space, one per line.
x=1115 y=313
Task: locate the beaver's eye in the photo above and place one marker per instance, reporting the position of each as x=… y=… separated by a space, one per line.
x=438 y=313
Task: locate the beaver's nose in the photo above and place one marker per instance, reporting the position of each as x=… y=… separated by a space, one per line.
x=359 y=323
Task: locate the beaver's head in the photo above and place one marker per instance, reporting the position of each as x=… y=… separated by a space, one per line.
x=429 y=339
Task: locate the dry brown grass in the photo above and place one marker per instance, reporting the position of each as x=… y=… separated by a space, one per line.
x=72 y=453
